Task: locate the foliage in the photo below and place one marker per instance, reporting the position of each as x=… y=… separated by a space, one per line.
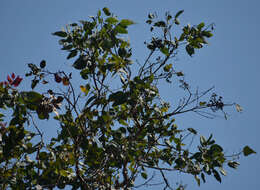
x=108 y=136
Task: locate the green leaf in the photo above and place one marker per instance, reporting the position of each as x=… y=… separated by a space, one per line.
x=144 y=175
x=122 y=130
x=222 y=171
x=72 y=54
x=106 y=11
x=165 y=51
x=216 y=148
x=34 y=83
x=167 y=68
x=32 y=97
x=180 y=74
x=80 y=63
x=233 y=164
x=160 y=24
x=176 y=21
x=179 y=13
x=203 y=103
x=90 y=100
x=190 y=50
x=192 y=131
x=60 y=34
x=203 y=177
x=197 y=179
x=208 y=34
x=118 y=98
x=85 y=73
x=67 y=47
x=247 y=151
x=122 y=122
x=216 y=175
x=200 y=26
x=63 y=173
x=126 y=22
x=111 y=20
x=120 y=29
x=85 y=89
x=202 y=140
x=150 y=16
x=43 y=156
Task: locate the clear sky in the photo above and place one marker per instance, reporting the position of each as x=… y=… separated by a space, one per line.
x=230 y=62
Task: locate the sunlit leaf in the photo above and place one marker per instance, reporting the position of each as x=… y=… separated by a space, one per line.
x=126 y=22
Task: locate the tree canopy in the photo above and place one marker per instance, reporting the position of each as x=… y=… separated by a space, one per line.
x=114 y=126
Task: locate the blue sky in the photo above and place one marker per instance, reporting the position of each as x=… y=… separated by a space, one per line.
x=230 y=62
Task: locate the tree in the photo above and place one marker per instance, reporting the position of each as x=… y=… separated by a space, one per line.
x=109 y=136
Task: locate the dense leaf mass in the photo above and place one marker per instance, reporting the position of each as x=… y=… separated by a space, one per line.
x=109 y=133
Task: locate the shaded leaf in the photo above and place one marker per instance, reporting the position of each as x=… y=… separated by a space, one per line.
x=216 y=148
x=144 y=175
x=120 y=29
x=80 y=63
x=106 y=11
x=233 y=164
x=192 y=131
x=247 y=151
x=203 y=177
x=179 y=74
x=190 y=50
x=42 y=64
x=216 y=175
x=179 y=13
x=72 y=54
x=60 y=34
x=34 y=83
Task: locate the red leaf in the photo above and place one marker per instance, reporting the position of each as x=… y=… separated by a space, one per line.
x=9 y=79
x=17 y=81
x=13 y=75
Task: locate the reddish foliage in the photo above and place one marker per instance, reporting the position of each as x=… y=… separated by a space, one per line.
x=12 y=80
x=17 y=81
